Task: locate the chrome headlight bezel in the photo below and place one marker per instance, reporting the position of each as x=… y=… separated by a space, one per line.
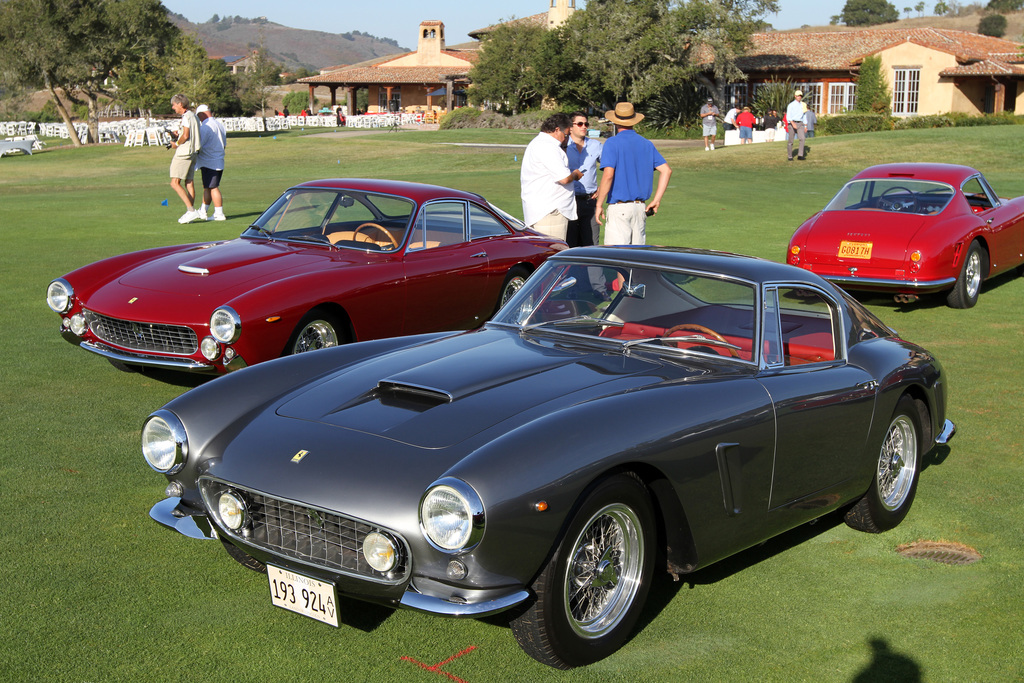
x=225 y=325
x=452 y=516
x=164 y=442
x=60 y=295
x=232 y=510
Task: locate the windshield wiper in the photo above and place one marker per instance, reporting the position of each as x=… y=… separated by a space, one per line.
x=690 y=339
x=317 y=239
x=581 y=320
x=269 y=235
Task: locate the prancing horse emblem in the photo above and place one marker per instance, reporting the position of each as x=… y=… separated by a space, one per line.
x=299 y=456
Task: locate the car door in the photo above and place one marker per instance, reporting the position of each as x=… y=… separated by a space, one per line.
x=1004 y=223
x=447 y=279
x=823 y=405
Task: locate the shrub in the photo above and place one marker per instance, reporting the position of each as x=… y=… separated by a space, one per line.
x=296 y=101
x=992 y=25
x=463 y=117
x=855 y=122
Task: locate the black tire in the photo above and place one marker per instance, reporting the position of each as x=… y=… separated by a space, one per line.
x=318 y=329
x=590 y=592
x=514 y=281
x=897 y=471
x=242 y=558
x=968 y=285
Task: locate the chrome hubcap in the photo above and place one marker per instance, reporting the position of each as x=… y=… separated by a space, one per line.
x=603 y=574
x=973 y=274
x=316 y=335
x=897 y=463
x=513 y=286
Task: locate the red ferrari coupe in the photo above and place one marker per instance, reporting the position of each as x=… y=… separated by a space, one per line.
x=912 y=229
x=331 y=261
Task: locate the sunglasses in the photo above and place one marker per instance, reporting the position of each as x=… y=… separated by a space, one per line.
x=584 y=124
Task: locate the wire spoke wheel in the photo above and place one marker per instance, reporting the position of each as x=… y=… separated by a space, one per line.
x=603 y=575
x=897 y=463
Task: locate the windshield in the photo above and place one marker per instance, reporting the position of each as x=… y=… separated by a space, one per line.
x=633 y=305
x=902 y=195
x=344 y=218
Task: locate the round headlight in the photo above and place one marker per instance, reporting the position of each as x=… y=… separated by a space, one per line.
x=380 y=552
x=225 y=325
x=231 y=509
x=59 y=295
x=77 y=324
x=451 y=515
x=210 y=348
x=164 y=442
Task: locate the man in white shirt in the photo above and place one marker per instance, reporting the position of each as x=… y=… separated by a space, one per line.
x=210 y=162
x=546 y=181
x=795 y=124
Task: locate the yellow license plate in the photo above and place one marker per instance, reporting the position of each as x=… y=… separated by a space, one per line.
x=855 y=249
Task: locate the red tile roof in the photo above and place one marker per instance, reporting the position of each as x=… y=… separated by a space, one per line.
x=844 y=50
x=380 y=72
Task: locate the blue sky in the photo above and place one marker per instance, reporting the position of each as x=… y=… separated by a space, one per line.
x=398 y=19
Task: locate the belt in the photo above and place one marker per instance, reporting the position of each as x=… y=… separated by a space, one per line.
x=631 y=201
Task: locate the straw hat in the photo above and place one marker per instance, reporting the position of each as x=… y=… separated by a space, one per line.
x=624 y=115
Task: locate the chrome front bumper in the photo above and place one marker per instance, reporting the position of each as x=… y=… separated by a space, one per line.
x=170 y=513
x=947 y=433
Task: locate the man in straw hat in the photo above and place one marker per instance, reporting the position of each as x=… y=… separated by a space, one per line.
x=628 y=162
x=795 y=124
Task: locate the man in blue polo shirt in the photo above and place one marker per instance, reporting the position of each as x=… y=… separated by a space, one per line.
x=628 y=162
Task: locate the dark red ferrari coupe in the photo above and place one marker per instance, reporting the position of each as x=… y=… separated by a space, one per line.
x=913 y=229
x=331 y=261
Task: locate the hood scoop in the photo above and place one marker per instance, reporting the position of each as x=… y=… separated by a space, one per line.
x=410 y=396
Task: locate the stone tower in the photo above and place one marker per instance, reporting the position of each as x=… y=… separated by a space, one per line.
x=431 y=42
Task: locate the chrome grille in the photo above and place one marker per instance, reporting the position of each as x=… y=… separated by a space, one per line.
x=138 y=336
x=310 y=535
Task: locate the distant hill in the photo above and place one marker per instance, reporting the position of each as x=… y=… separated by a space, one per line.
x=291 y=47
x=966 y=22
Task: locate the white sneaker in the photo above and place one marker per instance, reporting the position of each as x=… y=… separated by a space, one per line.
x=707 y=149
x=189 y=216
x=712 y=147
x=202 y=215
x=219 y=217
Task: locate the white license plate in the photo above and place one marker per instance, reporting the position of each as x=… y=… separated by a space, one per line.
x=297 y=593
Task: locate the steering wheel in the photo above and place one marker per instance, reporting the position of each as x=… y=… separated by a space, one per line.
x=391 y=238
x=703 y=330
x=901 y=206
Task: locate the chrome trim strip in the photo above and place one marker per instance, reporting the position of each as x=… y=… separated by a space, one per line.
x=127 y=358
x=193 y=270
x=919 y=286
x=185 y=523
x=430 y=605
x=948 y=431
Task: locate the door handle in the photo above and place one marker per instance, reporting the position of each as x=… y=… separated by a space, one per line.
x=870 y=385
x=482 y=254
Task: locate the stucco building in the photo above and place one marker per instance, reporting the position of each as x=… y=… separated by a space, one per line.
x=928 y=70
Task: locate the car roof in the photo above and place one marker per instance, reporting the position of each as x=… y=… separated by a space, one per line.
x=706 y=260
x=953 y=174
x=418 y=192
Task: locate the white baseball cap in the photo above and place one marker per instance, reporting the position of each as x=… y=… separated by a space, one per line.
x=201 y=108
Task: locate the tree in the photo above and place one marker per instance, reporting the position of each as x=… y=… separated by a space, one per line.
x=868 y=12
x=635 y=49
x=872 y=91
x=255 y=83
x=73 y=48
x=919 y=8
x=940 y=8
x=1005 y=6
x=992 y=25
x=506 y=74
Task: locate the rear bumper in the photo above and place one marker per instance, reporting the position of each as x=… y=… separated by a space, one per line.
x=886 y=285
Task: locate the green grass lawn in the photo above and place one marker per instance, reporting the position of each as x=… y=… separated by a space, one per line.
x=93 y=590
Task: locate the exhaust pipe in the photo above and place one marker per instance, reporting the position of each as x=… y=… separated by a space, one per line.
x=905 y=298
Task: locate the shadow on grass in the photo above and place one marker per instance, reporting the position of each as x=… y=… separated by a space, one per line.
x=888 y=665
x=664 y=588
